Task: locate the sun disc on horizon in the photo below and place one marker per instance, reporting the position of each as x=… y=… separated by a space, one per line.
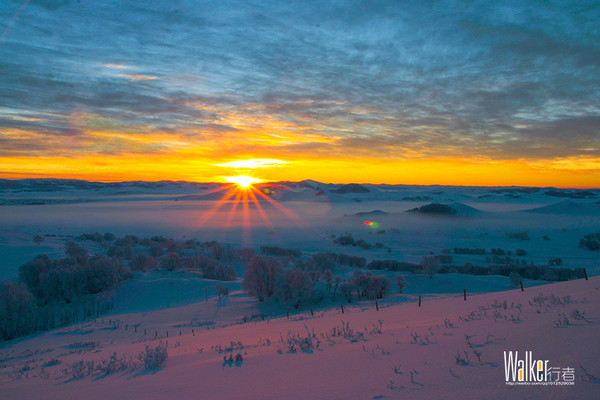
x=243 y=181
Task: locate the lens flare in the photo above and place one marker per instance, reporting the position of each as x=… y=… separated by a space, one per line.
x=372 y=224
x=242 y=180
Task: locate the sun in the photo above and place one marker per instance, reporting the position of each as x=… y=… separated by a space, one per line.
x=243 y=181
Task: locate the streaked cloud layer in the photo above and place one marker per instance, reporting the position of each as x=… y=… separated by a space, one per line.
x=346 y=84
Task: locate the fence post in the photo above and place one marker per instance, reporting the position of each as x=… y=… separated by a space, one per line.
x=522 y=289
x=377 y=305
x=419 y=301
x=585 y=274
x=311 y=312
x=465 y=294
x=342 y=306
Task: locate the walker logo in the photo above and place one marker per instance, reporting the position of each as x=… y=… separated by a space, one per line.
x=528 y=371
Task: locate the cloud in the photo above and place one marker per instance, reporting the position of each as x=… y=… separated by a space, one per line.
x=255 y=79
x=116 y=66
x=254 y=163
x=138 y=77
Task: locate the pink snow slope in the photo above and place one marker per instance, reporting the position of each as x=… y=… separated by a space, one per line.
x=448 y=348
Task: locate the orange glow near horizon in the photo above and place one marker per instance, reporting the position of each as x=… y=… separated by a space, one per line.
x=263 y=147
x=573 y=172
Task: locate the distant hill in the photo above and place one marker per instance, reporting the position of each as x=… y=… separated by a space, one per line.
x=351 y=188
x=52 y=184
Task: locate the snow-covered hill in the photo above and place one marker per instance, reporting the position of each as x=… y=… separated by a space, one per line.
x=447 y=348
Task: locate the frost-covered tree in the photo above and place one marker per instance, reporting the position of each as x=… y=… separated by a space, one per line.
x=31 y=271
x=370 y=286
x=347 y=288
x=17 y=310
x=381 y=286
x=294 y=287
x=76 y=252
x=142 y=262
x=125 y=252
x=322 y=261
x=170 y=262
x=246 y=254
x=259 y=279
x=429 y=265
x=515 y=279
x=401 y=282
x=327 y=276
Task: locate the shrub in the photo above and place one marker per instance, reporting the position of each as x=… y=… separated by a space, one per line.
x=519 y=235
x=81 y=369
x=124 y=252
x=108 y=237
x=279 y=251
x=346 y=240
x=113 y=364
x=221 y=290
x=591 y=241
x=359 y=262
x=154 y=358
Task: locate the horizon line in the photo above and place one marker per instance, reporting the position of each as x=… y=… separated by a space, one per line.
x=303 y=180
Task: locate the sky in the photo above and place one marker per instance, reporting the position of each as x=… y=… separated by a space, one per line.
x=420 y=92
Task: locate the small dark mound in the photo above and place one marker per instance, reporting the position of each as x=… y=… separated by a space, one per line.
x=434 y=208
x=351 y=188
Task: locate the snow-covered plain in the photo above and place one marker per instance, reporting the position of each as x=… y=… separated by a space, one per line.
x=304 y=216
